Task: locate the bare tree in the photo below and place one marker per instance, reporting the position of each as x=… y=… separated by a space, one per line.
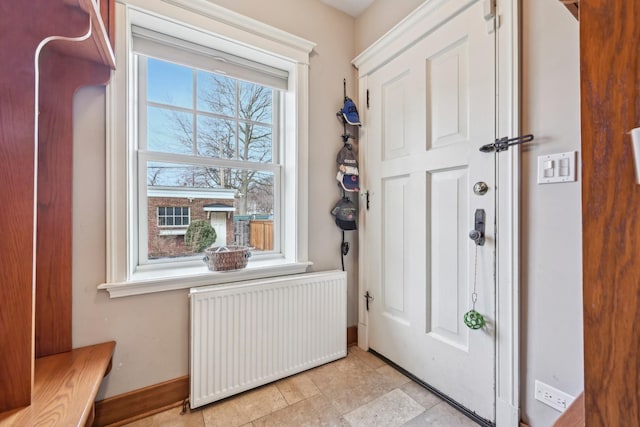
x=237 y=127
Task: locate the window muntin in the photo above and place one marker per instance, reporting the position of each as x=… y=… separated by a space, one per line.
x=207 y=131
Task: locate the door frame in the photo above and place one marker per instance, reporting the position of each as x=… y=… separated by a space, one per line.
x=415 y=26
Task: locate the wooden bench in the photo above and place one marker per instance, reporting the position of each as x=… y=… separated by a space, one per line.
x=64 y=389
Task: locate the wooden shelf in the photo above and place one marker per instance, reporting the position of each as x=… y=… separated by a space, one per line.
x=65 y=387
x=97 y=46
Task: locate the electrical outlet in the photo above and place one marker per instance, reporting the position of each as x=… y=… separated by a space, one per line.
x=553 y=397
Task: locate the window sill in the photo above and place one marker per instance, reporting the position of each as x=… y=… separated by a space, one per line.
x=173 y=232
x=147 y=282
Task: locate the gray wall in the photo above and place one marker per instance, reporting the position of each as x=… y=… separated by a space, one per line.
x=551 y=248
x=551 y=214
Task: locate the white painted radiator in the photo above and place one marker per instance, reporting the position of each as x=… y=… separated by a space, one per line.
x=247 y=334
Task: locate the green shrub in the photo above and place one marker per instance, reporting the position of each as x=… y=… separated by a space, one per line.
x=200 y=235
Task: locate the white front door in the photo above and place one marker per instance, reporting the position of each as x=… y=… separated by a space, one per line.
x=431 y=108
x=219 y=223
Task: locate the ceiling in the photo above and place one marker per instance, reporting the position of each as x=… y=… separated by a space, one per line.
x=351 y=7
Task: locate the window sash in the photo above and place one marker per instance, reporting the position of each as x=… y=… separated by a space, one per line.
x=143 y=103
x=142 y=225
x=162 y=46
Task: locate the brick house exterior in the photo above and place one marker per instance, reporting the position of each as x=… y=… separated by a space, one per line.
x=214 y=206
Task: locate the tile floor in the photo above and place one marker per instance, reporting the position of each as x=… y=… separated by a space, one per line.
x=359 y=390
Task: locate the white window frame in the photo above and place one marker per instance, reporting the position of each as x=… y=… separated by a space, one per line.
x=194 y=20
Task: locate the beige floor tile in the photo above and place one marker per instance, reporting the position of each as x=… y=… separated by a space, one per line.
x=368 y=358
x=391 y=410
x=262 y=401
x=441 y=415
x=224 y=414
x=171 y=418
x=350 y=382
x=315 y=411
x=244 y=408
x=391 y=377
x=297 y=388
x=345 y=398
x=349 y=372
x=421 y=395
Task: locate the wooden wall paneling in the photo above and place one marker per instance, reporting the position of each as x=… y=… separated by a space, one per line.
x=61 y=76
x=16 y=245
x=610 y=105
x=23 y=26
x=21 y=31
x=107 y=12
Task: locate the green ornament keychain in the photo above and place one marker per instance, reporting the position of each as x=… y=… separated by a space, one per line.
x=472 y=318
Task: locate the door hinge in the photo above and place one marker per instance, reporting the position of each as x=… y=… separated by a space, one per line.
x=489 y=11
x=367 y=99
x=367 y=297
x=366 y=198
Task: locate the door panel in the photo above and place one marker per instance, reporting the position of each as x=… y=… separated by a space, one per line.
x=431 y=108
x=394 y=237
x=395 y=105
x=447 y=85
x=448 y=255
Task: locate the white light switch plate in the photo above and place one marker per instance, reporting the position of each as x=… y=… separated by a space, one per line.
x=559 y=167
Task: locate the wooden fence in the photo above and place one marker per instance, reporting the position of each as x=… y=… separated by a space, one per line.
x=261 y=235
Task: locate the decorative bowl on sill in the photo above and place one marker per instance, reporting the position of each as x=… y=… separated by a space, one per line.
x=227 y=258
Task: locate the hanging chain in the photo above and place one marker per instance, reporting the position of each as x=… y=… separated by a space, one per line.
x=472 y=318
x=474 y=295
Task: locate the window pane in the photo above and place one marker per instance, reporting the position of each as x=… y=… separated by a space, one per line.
x=169 y=131
x=255 y=142
x=254 y=220
x=216 y=137
x=167 y=174
x=216 y=94
x=259 y=192
x=169 y=83
x=256 y=102
x=238 y=204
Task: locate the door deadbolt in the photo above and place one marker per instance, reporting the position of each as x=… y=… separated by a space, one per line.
x=477 y=234
x=480 y=188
